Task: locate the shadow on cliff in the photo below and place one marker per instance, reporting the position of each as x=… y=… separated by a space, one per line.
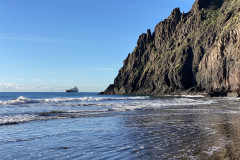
x=188 y=77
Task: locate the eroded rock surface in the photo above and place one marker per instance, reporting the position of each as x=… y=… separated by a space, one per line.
x=194 y=51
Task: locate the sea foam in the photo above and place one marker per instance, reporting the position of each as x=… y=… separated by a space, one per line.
x=24 y=100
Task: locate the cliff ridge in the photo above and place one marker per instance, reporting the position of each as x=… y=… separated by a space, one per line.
x=198 y=51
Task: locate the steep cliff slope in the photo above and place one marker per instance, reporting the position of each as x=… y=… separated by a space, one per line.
x=195 y=51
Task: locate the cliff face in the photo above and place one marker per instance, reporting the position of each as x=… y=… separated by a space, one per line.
x=195 y=51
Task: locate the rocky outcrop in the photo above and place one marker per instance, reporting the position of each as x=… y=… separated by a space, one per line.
x=194 y=51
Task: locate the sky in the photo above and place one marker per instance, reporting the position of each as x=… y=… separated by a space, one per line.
x=52 y=45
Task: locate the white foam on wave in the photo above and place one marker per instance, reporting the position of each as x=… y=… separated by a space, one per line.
x=158 y=103
x=22 y=118
x=24 y=100
x=6 y=120
x=19 y=100
x=193 y=96
x=176 y=102
x=48 y=115
x=93 y=106
x=186 y=95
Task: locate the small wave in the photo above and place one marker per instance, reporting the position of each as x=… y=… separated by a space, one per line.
x=175 y=102
x=156 y=104
x=186 y=95
x=24 y=100
x=193 y=96
x=23 y=118
x=16 y=119
x=50 y=115
x=19 y=100
x=72 y=114
x=102 y=108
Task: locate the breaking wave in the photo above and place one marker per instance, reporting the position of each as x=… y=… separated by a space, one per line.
x=62 y=107
x=24 y=100
x=20 y=118
x=160 y=103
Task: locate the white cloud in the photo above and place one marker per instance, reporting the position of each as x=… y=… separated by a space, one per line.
x=32 y=39
x=12 y=87
x=9 y=86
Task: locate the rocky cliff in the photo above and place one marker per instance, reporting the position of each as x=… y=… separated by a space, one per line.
x=194 y=51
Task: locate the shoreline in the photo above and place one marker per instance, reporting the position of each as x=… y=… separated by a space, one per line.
x=189 y=93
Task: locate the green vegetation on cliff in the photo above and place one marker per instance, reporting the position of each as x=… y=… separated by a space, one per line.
x=197 y=51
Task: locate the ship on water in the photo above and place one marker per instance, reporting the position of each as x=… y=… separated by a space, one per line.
x=74 y=89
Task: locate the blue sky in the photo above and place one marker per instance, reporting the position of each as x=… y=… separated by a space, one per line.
x=51 y=45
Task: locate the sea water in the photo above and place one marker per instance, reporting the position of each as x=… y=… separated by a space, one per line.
x=92 y=126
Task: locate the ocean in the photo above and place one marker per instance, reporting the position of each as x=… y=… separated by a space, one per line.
x=91 y=126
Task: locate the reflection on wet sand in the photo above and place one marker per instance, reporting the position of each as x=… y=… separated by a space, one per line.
x=199 y=132
x=229 y=129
